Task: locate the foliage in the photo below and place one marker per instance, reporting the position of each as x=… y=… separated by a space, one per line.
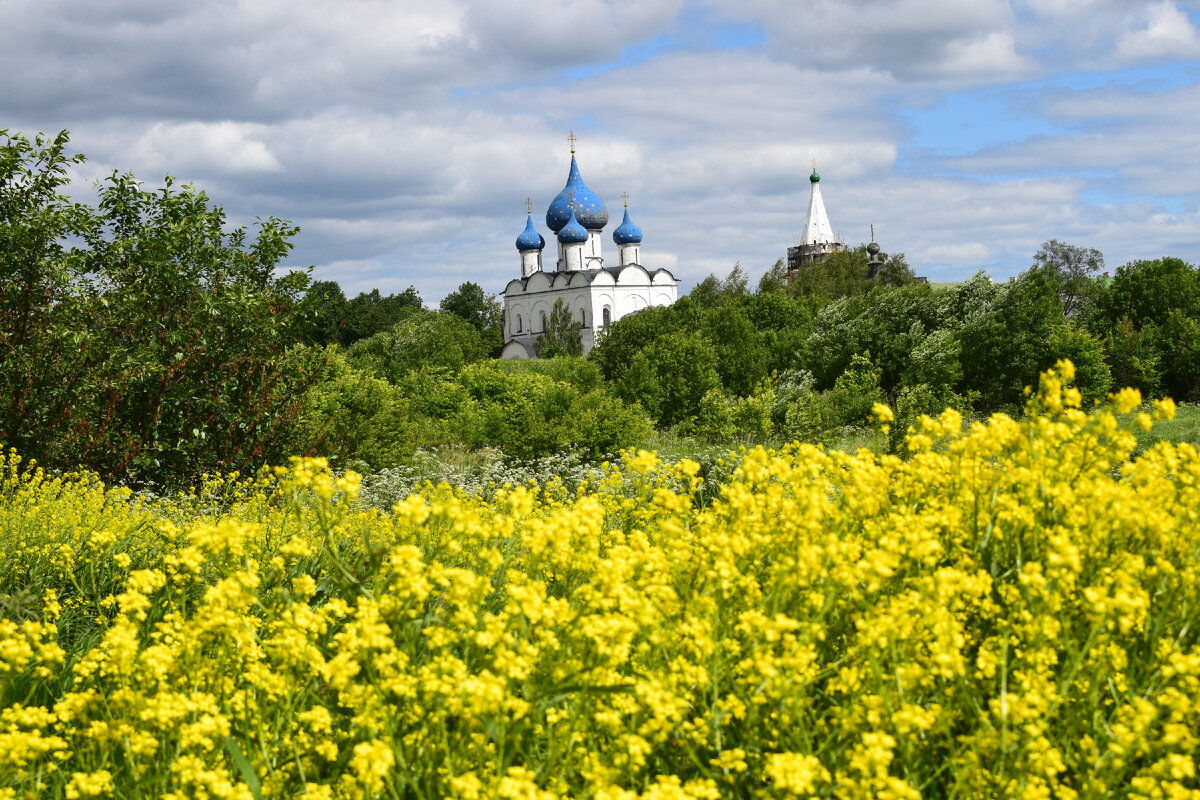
x=526 y=413
x=370 y=313
x=329 y=311
x=1004 y=346
x=1148 y=319
x=1009 y=611
x=562 y=334
x=482 y=310
x=844 y=274
x=1146 y=292
x=426 y=339
x=623 y=339
x=1075 y=268
x=713 y=292
x=356 y=419
x=681 y=370
x=741 y=355
x=170 y=333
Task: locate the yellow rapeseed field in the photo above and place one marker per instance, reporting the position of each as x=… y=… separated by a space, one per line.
x=1011 y=610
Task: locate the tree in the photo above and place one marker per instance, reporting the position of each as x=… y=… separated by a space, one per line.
x=1075 y=268
x=371 y=312
x=426 y=339
x=329 y=309
x=774 y=279
x=156 y=347
x=38 y=276
x=713 y=292
x=844 y=273
x=562 y=336
x=741 y=355
x=482 y=310
x=685 y=369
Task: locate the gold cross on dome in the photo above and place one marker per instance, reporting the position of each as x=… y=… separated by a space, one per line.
x=529 y=206
x=625 y=197
x=572 y=140
x=814 y=163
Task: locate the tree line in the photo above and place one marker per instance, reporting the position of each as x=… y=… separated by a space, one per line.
x=803 y=357
x=143 y=339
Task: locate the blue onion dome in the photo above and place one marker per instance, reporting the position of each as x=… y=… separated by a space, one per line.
x=530 y=239
x=627 y=232
x=589 y=209
x=572 y=232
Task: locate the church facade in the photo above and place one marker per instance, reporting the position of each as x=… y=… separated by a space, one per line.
x=595 y=293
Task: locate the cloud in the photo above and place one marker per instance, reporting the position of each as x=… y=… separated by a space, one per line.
x=404 y=137
x=1168 y=34
x=205 y=148
x=944 y=41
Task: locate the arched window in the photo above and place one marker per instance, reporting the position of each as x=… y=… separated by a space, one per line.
x=607 y=315
x=583 y=317
x=543 y=322
x=518 y=323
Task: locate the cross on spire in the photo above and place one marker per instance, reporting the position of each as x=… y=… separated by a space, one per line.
x=529 y=206
x=571 y=139
x=625 y=197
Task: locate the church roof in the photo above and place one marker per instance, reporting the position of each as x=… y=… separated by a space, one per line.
x=627 y=232
x=816 y=223
x=589 y=209
x=530 y=239
x=550 y=280
x=572 y=232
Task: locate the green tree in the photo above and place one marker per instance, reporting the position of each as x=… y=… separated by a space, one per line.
x=562 y=336
x=482 y=310
x=371 y=312
x=40 y=277
x=844 y=274
x=741 y=354
x=774 y=280
x=1025 y=332
x=1075 y=268
x=713 y=292
x=620 y=341
x=169 y=334
x=426 y=339
x=329 y=310
x=1146 y=317
x=685 y=369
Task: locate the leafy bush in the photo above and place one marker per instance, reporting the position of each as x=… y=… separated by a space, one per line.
x=356 y=419
x=141 y=339
x=425 y=340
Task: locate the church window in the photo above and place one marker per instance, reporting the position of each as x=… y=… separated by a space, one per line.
x=518 y=323
x=583 y=317
x=543 y=322
x=607 y=315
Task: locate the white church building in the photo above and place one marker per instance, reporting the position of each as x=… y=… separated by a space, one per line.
x=818 y=239
x=594 y=293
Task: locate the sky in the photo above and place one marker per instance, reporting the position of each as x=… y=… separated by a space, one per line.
x=403 y=138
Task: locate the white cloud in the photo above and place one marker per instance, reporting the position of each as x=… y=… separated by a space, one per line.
x=1168 y=34
x=205 y=148
x=944 y=41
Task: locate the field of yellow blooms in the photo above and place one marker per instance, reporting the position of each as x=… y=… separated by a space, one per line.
x=1011 y=610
